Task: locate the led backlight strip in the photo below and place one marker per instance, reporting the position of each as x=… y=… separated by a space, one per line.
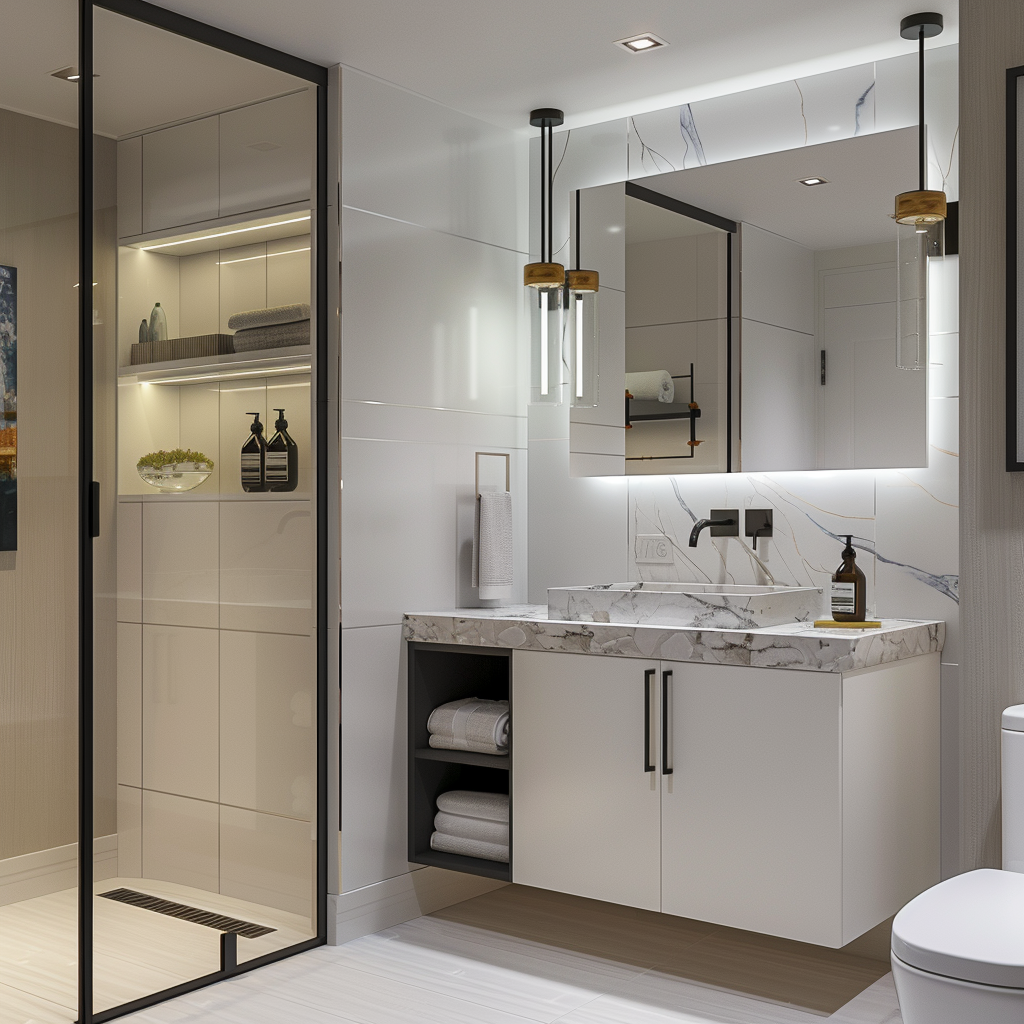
x=262 y=256
x=223 y=234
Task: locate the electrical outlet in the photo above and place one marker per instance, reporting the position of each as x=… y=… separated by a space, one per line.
x=653 y=549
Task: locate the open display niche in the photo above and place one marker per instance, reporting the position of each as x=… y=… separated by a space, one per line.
x=201 y=277
x=439 y=673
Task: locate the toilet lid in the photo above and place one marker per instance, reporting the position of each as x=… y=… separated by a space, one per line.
x=970 y=927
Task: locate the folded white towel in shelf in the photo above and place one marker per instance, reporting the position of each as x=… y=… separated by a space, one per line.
x=473 y=804
x=253 y=339
x=481 y=726
x=651 y=386
x=478 y=829
x=468 y=848
x=492 y=546
x=268 y=317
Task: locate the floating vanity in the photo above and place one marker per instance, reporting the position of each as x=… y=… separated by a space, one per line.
x=781 y=779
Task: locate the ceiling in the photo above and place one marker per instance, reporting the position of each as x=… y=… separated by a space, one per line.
x=146 y=77
x=498 y=60
x=493 y=60
x=863 y=177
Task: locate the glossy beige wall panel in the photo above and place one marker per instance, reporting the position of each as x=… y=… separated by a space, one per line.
x=991 y=500
x=38 y=583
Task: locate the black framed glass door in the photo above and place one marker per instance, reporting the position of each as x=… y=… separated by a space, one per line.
x=203 y=674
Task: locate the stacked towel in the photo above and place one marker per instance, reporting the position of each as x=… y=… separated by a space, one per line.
x=276 y=327
x=481 y=726
x=472 y=824
x=651 y=386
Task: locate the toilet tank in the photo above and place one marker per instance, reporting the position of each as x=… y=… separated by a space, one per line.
x=1013 y=788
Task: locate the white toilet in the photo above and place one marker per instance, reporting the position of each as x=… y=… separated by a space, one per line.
x=958 y=948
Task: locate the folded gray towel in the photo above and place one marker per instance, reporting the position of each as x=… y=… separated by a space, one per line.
x=268 y=317
x=458 y=826
x=470 y=724
x=471 y=804
x=468 y=848
x=275 y=336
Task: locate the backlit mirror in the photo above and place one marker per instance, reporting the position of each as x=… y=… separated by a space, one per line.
x=759 y=326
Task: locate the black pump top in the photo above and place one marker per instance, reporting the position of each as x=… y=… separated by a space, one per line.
x=282 y=423
x=848 y=551
x=256 y=427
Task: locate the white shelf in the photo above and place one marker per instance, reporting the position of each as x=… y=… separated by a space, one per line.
x=191 y=496
x=268 y=362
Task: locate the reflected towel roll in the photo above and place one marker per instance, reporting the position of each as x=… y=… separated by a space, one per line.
x=651 y=386
x=492 y=557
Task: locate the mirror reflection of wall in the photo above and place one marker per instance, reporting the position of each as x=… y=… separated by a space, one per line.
x=677 y=281
x=814 y=381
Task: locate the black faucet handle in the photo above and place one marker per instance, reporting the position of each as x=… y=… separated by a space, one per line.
x=725 y=522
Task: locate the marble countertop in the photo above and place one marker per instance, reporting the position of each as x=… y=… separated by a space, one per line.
x=795 y=646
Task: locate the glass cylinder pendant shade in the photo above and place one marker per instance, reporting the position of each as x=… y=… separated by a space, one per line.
x=545 y=284
x=582 y=339
x=915 y=213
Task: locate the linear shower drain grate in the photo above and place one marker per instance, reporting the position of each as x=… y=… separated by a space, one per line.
x=220 y=922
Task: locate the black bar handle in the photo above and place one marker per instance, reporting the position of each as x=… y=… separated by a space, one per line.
x=648 y=679
x=666 y=678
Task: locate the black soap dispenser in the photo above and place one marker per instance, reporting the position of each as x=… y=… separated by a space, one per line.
x=849 y=588
x=254 y=457
x=282 y=458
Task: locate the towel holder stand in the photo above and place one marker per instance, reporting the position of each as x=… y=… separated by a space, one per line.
x=492 y=455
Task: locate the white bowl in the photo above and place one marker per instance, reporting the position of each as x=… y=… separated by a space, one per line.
x=176 y=476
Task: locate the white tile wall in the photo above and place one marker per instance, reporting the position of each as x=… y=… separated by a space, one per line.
x=129 y=562
x=129 y=832
x=180 y=840
x=374 y=740
x=129 y=703
x=180 y=543
x=266 y=568
x=180 y=710
x=268 y=860
x=267 y=722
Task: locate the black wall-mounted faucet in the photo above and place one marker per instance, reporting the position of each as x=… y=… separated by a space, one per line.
x=757 y=522
x=724 y=522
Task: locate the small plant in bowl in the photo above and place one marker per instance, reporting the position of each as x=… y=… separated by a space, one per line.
x=180 y=469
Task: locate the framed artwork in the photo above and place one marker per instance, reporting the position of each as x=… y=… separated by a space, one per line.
x=9 y=408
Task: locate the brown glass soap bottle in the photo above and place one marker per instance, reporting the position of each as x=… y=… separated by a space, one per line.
x=849 y=588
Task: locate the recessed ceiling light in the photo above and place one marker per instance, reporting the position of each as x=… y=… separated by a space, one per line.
x=641 y=43
x=68 y=74
x=813 y=181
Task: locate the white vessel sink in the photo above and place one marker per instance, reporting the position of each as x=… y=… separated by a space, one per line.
x=704 y=605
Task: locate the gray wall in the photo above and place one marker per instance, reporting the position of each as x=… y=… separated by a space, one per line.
x=992 y=500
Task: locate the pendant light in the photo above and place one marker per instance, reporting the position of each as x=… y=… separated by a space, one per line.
x=582 y=341
x=916 y=212
x=545 y=281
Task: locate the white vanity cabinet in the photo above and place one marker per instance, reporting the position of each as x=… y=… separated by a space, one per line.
x=790 y=802
x=587 y=808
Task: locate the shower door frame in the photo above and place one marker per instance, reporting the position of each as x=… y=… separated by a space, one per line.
x=325 y=401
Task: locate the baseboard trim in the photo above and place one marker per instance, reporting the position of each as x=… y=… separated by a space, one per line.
x=396 y=900
x=47 y=871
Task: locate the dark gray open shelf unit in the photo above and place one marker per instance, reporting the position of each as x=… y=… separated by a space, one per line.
x=439 y=673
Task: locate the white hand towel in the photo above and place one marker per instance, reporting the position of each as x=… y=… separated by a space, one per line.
x=651 y=386
x=468 y=848
x=470 y=724
x=492 y=556
x=473 y=804
x=460 y=827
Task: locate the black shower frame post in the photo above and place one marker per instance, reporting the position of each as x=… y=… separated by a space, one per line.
x=159 y=17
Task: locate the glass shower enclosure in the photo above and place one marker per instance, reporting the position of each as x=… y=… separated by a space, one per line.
x=164 y=493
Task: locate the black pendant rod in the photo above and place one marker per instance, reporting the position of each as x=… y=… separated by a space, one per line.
x=577 y=229
x=551 y=191
x=922 y=163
